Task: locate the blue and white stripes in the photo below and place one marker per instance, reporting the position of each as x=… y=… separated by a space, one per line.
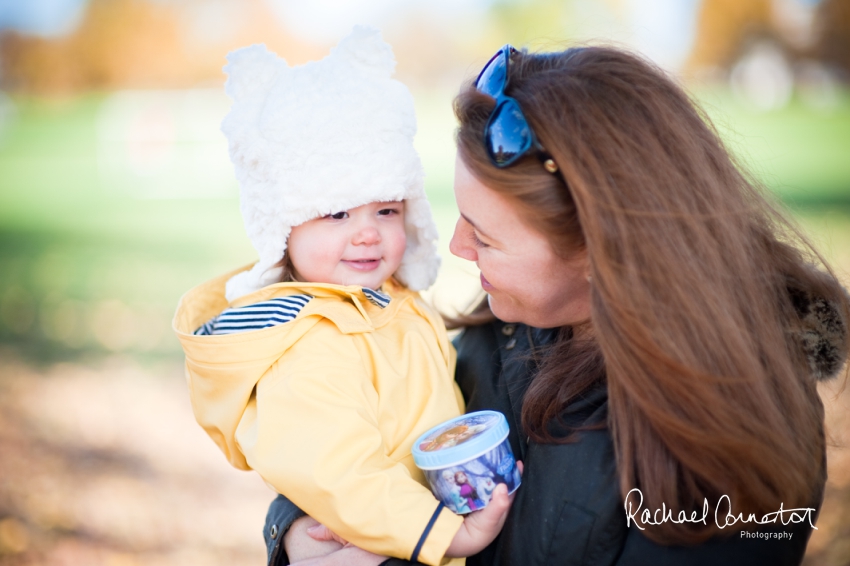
x=270 y=313
x=256 y=316
x=376 y=297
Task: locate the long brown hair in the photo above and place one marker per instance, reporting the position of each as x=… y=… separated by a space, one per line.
x=691 y=266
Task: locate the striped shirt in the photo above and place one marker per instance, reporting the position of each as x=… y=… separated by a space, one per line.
x=269 y=313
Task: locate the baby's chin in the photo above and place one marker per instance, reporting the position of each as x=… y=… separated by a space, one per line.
x=361 y=281
x=372 y=280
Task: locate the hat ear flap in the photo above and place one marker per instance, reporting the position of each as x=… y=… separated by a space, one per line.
x=364 y=49
x=250 y=71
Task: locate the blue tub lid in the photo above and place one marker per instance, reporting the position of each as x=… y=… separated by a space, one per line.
x=460 y=439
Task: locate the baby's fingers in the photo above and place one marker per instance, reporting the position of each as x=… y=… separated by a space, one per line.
x=500 y=502
x=492 y=517
x=480 y=528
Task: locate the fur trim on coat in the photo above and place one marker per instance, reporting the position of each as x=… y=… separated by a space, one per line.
x=822 y=332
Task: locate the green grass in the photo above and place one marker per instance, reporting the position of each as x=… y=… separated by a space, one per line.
x=73 y=249
x=801 y=153
x=90 y=264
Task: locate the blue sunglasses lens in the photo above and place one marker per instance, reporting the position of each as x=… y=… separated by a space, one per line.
x=508 y=134
x=491 y=81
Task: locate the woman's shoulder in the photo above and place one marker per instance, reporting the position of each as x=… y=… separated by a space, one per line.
x=820 y=329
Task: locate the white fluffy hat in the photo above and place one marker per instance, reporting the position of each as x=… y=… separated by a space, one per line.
x=317 y=139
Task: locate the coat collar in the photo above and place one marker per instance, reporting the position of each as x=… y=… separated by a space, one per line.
x=208 y=300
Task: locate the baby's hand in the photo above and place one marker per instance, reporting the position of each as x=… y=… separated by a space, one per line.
x=480 y=528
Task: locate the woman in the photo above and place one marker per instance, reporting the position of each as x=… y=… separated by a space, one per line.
x=658 y=339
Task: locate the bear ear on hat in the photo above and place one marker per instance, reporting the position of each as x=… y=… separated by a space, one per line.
x=364 y=49
x=250 y=71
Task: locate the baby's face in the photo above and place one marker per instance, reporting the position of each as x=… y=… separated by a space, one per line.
x=362 y=246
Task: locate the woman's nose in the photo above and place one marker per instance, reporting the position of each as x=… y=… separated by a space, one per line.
x=460 y=242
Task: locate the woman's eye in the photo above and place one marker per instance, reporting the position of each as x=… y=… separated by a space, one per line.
x=338 y=215
x=476 y=241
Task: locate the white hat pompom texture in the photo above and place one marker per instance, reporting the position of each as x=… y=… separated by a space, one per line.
x=327 y=136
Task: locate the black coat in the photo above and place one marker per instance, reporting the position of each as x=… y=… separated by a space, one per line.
x=568 y=509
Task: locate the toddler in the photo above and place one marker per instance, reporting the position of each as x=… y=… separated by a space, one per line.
x=320 y=365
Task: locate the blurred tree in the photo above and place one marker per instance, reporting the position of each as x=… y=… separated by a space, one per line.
x=724 y=26
x=182 y=43
x=833 y=32
x=530 y=22
x=142 y=44
x=119 y=42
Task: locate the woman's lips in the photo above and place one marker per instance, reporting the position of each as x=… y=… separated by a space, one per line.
x=362 y=264
x=485 y=284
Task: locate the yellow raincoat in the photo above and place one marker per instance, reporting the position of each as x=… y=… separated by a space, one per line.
x=326 y=407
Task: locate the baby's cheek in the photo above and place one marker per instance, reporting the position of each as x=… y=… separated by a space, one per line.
x=401 y=239
x=328 y=258
x=318 y=262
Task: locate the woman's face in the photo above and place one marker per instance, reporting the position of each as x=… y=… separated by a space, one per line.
x=523 y=277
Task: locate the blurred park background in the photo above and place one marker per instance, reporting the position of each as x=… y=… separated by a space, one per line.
x=117 y=195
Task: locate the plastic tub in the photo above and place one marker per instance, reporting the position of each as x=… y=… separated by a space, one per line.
x=465 y=459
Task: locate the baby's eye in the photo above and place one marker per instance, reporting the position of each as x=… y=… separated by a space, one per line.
x=338 y=215
x=388 y=211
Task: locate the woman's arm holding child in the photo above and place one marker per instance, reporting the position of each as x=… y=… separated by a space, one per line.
x=479 y=529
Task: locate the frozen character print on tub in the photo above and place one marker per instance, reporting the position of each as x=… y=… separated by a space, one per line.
x=465 y=459
x=459 y=503
x=468 y=492
x=485 y=489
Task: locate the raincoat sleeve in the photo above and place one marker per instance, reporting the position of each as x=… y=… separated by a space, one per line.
x=315 y=437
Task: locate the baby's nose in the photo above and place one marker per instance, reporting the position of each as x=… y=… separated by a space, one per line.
x=367 y=235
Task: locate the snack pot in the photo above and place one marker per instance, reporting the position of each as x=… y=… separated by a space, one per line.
x=465 y=459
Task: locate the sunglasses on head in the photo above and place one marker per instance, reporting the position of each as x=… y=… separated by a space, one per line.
x=508 y=135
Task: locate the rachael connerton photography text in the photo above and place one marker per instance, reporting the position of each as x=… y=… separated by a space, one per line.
x=723 y=515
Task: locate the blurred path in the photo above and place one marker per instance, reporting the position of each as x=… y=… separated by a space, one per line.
x=105 y=465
